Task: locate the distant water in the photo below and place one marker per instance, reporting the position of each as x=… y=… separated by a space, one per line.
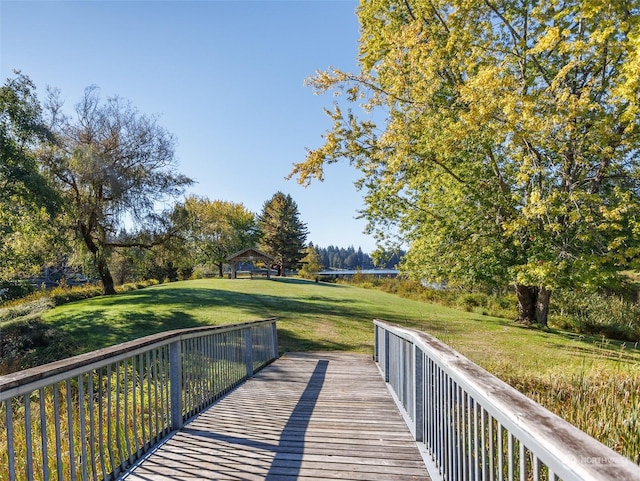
x=350 y=272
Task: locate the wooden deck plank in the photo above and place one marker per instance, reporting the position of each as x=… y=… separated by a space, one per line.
x=308 y=416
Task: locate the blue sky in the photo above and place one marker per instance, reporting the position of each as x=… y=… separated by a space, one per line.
x=225 y=77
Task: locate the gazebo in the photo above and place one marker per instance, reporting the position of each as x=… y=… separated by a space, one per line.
x=249 y=255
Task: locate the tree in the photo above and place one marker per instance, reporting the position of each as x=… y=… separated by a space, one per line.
x=508 y=147
x=311 y=263
x=283 y=235
x=216 y=229
x=111 y=164
x=27 y=199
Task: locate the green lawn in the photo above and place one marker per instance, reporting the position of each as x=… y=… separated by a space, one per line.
x=327 y=316
x=591 y=382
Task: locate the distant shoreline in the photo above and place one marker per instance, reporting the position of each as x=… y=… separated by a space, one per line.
x=351 y=272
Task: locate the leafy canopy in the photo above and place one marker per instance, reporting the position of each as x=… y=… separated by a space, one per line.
x=213 y=230
x=507 y=150
x=27 y=199
x=111 y=163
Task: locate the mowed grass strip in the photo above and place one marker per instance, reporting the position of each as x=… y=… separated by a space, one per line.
x=327 y=316
x=592 y=382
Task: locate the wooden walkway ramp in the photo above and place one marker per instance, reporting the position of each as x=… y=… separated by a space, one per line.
x=307 y=416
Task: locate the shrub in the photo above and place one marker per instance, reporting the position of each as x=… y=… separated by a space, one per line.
x=597 y=314
x=471 y=301
x=26 y=308
x=10 y=290
x=28 y=342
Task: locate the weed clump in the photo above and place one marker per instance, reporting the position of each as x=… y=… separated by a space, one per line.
x=28 y=341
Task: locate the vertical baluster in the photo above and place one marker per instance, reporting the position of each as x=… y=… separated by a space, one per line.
x=500 y=452
x=43 y=435
x=463 y=435
x=201 y=398
x=103 y=464
x=92 y=431
x=274 y=340
x=193 y=360
x=196 y=374
x=149 y=397
x=167 y=386
x=448 y=426
x=216 y=364
x=119 y=417
x=492 y=447
x=229 y=359
x=156 y=411
x=11 y=454
x=109 y=419
x=225 y=364
x=428 y=403
x=470 y=453
x=127 y=430
x=212 y=365
x=523 y=462
x=143 y=423
x=510 y=455
x=455 y=430
x=82 y=420
x=184 y=368
x=163 y=382
x=443 y=424
x=483 y=442
x=135 y=380
x=56 y=427
x=476 y=441
x=28 y=435
x=189 y=387
x=71 y=431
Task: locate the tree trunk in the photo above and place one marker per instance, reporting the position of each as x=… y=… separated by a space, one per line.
x=99 y=260
x=533 y=304
x=542 y=306
x=108 y=286
x=526 y=303
x=220 y=273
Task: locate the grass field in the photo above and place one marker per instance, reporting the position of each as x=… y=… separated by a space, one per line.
x=329 y=316
x=591 y=382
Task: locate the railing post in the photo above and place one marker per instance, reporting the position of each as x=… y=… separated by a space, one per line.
x=274 y=333
x=175 y=379
x=386 y=355
x=376 y=336
x=418 y=386
x=248 y=351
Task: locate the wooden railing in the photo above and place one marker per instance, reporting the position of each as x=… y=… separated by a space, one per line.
x=472 y=426
x=92 y=416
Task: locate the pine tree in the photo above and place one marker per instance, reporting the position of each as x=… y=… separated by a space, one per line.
x=283 y=234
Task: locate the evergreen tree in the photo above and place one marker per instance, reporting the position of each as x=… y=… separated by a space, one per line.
x=283 y=233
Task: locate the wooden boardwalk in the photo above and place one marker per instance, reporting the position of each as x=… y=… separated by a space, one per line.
x=308 y=416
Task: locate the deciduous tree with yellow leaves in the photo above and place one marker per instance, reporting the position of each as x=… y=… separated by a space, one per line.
x=509 y=147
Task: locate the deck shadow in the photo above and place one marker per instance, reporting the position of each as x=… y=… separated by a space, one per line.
x=298 y=422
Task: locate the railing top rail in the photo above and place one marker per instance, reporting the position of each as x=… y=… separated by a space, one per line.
x=67 y=367
x=564 y=447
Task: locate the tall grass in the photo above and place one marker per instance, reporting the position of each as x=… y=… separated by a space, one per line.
x=603 y=405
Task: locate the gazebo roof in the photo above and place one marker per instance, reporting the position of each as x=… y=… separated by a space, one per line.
x=249 y=254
